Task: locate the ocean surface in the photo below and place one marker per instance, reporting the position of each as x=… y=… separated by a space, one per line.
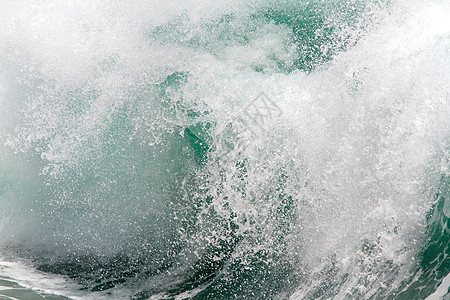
x=232 y=149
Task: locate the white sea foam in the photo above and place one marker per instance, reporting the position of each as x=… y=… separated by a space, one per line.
x=28 y=277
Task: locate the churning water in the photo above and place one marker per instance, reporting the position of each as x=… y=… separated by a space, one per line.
x=226 y=149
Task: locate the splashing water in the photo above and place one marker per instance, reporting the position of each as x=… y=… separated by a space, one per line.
x=219 y=150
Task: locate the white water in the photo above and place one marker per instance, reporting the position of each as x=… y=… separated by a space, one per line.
x=443 y=290
x=42 y=282
x=367 y=132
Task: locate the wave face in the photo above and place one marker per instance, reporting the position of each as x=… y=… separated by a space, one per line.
x=228 y=149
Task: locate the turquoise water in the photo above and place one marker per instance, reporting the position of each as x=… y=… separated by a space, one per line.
x=222 y=150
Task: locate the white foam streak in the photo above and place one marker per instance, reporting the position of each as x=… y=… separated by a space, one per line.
x=41 y=282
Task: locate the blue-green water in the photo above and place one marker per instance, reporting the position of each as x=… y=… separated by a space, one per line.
x=227 y=150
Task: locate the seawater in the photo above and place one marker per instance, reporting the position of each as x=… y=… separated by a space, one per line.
x=226 y=149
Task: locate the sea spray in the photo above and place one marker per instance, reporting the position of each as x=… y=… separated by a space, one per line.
x=227 y=150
